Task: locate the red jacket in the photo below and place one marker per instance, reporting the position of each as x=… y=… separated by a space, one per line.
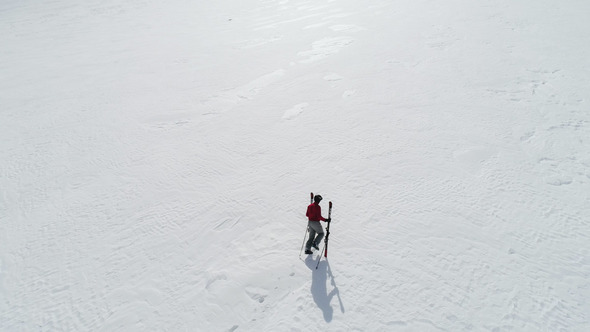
x=314 y=212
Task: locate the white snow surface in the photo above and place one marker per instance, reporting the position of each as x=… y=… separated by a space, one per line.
x=156 y=160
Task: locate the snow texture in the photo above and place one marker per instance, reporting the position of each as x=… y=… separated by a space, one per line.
x=156 y=159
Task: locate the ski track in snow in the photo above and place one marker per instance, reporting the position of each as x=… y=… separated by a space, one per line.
x=156 y=159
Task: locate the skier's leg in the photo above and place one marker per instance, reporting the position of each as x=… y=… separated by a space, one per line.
x=317 y=229
x=312 y=233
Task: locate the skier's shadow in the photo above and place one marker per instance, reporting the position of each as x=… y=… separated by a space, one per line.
x=318 y=287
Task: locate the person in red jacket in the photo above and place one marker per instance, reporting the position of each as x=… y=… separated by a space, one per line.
x=316 y=232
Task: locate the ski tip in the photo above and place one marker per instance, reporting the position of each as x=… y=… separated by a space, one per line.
x=330 y=203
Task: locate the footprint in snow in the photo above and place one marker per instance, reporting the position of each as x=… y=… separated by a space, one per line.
x=323 y=48
x=333 y=77
x=348 y=93
x=256 y=294
x=558 y=180
x=294 y=111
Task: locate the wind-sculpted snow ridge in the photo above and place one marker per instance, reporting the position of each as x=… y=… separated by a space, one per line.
x=156 y=161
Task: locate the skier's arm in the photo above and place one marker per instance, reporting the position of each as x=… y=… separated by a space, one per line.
x=322 y=218
x=320 y=213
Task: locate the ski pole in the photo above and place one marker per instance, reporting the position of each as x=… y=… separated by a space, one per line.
x=307 y=228
x=303 y=243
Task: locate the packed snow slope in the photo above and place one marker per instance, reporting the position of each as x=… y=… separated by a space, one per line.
x=156 y=159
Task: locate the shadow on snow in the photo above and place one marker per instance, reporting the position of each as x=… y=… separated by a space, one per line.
x=318 y=287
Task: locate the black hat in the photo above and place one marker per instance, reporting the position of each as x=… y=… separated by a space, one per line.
x=317 y=198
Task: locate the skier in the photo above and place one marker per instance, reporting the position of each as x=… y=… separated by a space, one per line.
x=314 y=214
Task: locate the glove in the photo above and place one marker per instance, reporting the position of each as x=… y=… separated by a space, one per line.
x=329 y=219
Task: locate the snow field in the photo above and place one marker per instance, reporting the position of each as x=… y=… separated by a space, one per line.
x=156 y=161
